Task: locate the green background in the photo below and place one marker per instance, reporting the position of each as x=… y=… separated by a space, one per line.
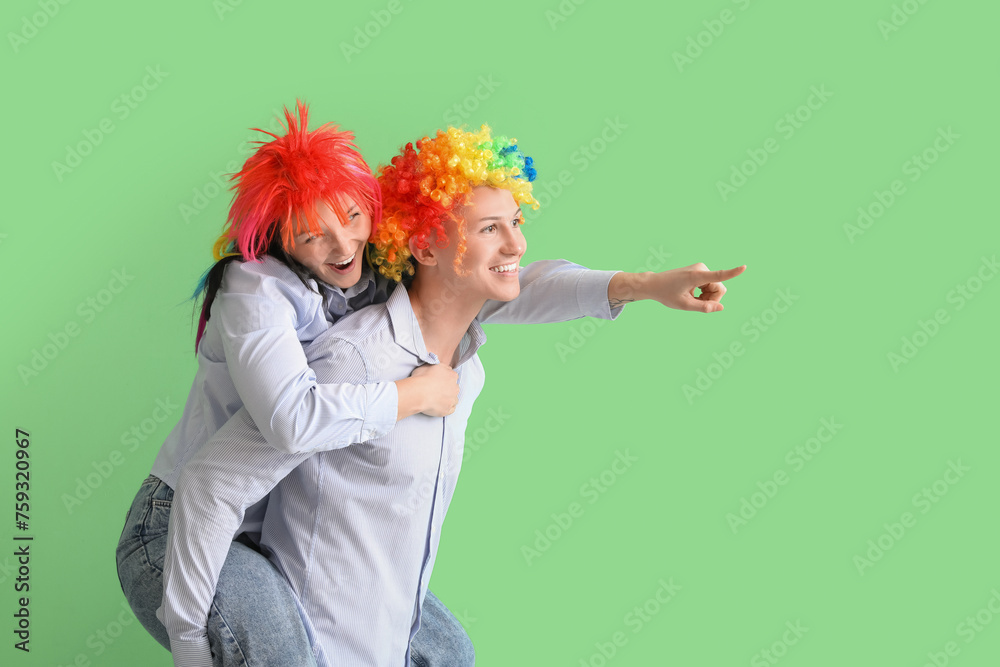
x=574 y=395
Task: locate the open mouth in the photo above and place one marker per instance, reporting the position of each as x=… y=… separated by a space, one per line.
x=346 y=266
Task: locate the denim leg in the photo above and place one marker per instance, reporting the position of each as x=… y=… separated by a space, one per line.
x=254 y=620
x=140 y=554
x=255 y=616
x=441 y=640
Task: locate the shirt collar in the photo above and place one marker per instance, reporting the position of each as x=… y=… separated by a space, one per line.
x=339 y=302
x=407 y=334
x=473 y=339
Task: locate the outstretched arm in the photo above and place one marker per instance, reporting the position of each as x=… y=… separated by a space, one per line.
x=558 y=290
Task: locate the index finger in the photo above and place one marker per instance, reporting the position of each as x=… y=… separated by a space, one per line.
x=719 y=276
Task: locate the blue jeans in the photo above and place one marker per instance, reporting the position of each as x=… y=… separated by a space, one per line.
x=254 y=619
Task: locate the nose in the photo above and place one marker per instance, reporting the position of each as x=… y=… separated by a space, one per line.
x=338 y=239
x=513 y=241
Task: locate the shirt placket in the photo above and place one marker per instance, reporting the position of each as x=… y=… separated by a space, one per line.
x=434 y=525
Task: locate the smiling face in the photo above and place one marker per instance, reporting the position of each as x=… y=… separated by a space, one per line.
x=494 y=245
x=336 y=256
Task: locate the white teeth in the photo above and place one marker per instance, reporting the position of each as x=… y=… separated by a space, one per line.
x=506 y=268
x=346 y=261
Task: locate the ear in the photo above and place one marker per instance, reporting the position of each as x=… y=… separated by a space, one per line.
x=426 y=256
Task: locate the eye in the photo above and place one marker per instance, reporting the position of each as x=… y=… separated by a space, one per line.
x=489 y=229
x=518 y=221
x=354 y=215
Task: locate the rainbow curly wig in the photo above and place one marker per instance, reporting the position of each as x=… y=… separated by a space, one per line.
x=281 y=184
x=428 y=182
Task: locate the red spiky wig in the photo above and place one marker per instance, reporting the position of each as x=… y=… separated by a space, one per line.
x=281 y=184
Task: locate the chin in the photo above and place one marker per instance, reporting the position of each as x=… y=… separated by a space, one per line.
x=343 y=280
x=507 y=295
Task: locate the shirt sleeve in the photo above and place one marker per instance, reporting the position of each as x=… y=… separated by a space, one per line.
x=554 y=291
x=235 y=469
x=263 y=315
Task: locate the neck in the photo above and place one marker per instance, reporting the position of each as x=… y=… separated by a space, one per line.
x=443 y=313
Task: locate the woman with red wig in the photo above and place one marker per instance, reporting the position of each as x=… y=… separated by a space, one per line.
x=291 y=261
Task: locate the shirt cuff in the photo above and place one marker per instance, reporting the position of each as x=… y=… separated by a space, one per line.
x=192 y=653
x=592 y=295
x=383 y=406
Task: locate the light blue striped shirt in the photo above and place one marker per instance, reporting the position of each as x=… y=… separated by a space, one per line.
x=238 y=466
x=356 y=530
